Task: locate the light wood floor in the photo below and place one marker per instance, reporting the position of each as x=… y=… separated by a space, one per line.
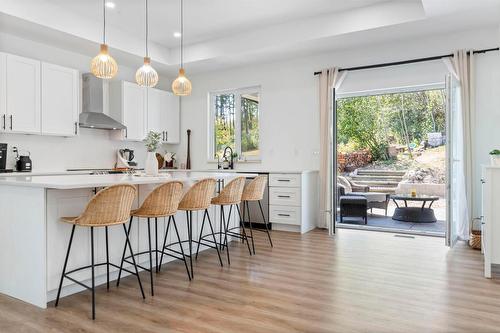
x=359 y=281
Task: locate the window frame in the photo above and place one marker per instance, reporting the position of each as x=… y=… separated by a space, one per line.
x=238 y=92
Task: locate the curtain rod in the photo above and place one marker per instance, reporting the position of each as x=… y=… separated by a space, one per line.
x=404 y=62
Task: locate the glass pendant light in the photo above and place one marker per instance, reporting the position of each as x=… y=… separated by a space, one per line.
x=103 y=65
x=181 y=85
x=146 y=74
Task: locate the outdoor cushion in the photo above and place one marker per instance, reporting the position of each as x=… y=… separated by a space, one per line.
x=370 y=196
x=344 y=183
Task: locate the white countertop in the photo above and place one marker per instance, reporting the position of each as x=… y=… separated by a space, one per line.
x=73 y=181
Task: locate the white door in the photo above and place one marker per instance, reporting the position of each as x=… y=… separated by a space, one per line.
x=171 y=114
x=3 y=92
x=23 y=95
x=134 y=111
x=59 y=100
x=454 y=151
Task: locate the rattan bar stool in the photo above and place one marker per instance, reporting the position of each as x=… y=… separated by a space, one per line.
x=109 y=207
x=161 y=202
x=198 y=198
x=254 y=192
x=229 y=196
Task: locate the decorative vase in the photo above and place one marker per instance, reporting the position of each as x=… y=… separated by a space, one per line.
x=151 y=164
x=495 y=160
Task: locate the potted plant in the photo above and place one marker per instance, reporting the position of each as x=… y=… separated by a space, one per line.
x=152 y=142
x=495 y=157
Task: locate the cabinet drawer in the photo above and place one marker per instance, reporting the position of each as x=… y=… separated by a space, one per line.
x=284 y=214
x=284 y=196
x=284 y=180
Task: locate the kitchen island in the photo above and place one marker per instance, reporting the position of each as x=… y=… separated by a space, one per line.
x=33 y=241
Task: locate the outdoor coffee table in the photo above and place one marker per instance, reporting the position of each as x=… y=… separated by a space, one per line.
x=414 y=214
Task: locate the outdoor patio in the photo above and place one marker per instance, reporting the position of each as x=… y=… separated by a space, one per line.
x=378 y=221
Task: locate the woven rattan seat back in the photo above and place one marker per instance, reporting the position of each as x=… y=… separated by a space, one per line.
x=231 y=193
x=198 y=197
x=254 y=190
x=162 y=201
x=109 y=206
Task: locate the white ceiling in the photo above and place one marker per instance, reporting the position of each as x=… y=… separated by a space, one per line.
x=221 y=33
x=205 y=19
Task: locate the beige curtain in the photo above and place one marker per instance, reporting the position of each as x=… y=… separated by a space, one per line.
x=462 y=67
x=329 y=79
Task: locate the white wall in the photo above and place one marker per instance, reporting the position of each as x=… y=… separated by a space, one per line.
x=92 y=148
x=289 y=119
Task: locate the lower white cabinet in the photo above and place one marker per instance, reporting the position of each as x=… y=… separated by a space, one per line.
x=60 y=96
x=293 y=201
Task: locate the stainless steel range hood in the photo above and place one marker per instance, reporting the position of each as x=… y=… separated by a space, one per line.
x=94 y=97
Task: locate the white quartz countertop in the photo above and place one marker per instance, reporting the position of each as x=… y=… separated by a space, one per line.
x=72 y=181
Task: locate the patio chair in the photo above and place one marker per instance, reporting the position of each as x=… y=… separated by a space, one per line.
x=352 y=206
x=374 y=199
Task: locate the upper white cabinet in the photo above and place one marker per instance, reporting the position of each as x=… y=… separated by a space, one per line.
x=60 y=96
x=3 y=92
x=23 y=95
x=127 y=103
x=163 y=114
x=37 y=98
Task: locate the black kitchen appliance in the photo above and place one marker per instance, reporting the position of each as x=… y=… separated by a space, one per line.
x=3 y=158
x=23 y=163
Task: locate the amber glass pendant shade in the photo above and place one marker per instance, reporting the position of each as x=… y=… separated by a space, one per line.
x=103 y=65
x=181 y=85
x=146 y=75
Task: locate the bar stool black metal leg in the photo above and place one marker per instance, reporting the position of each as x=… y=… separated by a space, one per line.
x=65 y=264
x=182 y=249
x=127 y=242
x=124 y=250
x=223 y=216
x=265 y=223
x=201 y=235
x=213 y=235
x=244 y=231
x=107 y=258
x=190 y=237
x=93 y=271
x=156 y=244
x=165 y=242
x=221 y=227
x=249 y=223
x=150 y=258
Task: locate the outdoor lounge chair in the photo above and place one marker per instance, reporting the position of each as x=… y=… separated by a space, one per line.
x=374 y=199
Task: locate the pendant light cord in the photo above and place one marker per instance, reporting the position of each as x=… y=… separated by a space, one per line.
x=182 y=34
x=104 y=21
x=147 y=29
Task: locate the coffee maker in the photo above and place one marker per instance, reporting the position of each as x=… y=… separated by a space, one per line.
x=125 y=159
x=3 y=158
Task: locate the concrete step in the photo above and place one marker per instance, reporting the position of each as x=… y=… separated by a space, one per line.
x=379 y=177
x=370 y=172
x=385 y=183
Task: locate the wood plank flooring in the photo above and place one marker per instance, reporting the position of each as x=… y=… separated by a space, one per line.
x=358 y=281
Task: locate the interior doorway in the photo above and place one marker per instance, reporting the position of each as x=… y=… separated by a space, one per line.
x=391 y=161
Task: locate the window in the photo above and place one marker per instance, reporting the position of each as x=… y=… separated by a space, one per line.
x=234 y=122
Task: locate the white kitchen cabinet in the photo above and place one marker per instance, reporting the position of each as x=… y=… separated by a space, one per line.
x=293 y=201
x=171 y=114
x=163 y=114
x=23 y=95
x=60 y=96
x=3 y=92
x=128 y=104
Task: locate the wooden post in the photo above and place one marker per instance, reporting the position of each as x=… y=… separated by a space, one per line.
x=188 y=160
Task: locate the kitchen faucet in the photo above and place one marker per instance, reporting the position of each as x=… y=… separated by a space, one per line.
x=231 y=164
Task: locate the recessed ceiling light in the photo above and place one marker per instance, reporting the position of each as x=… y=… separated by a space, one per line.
x=110 y=4
x=177 y=34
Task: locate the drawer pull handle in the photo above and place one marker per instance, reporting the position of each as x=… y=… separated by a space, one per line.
x=283 y=180
x=283 y=196
x=285 y=215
